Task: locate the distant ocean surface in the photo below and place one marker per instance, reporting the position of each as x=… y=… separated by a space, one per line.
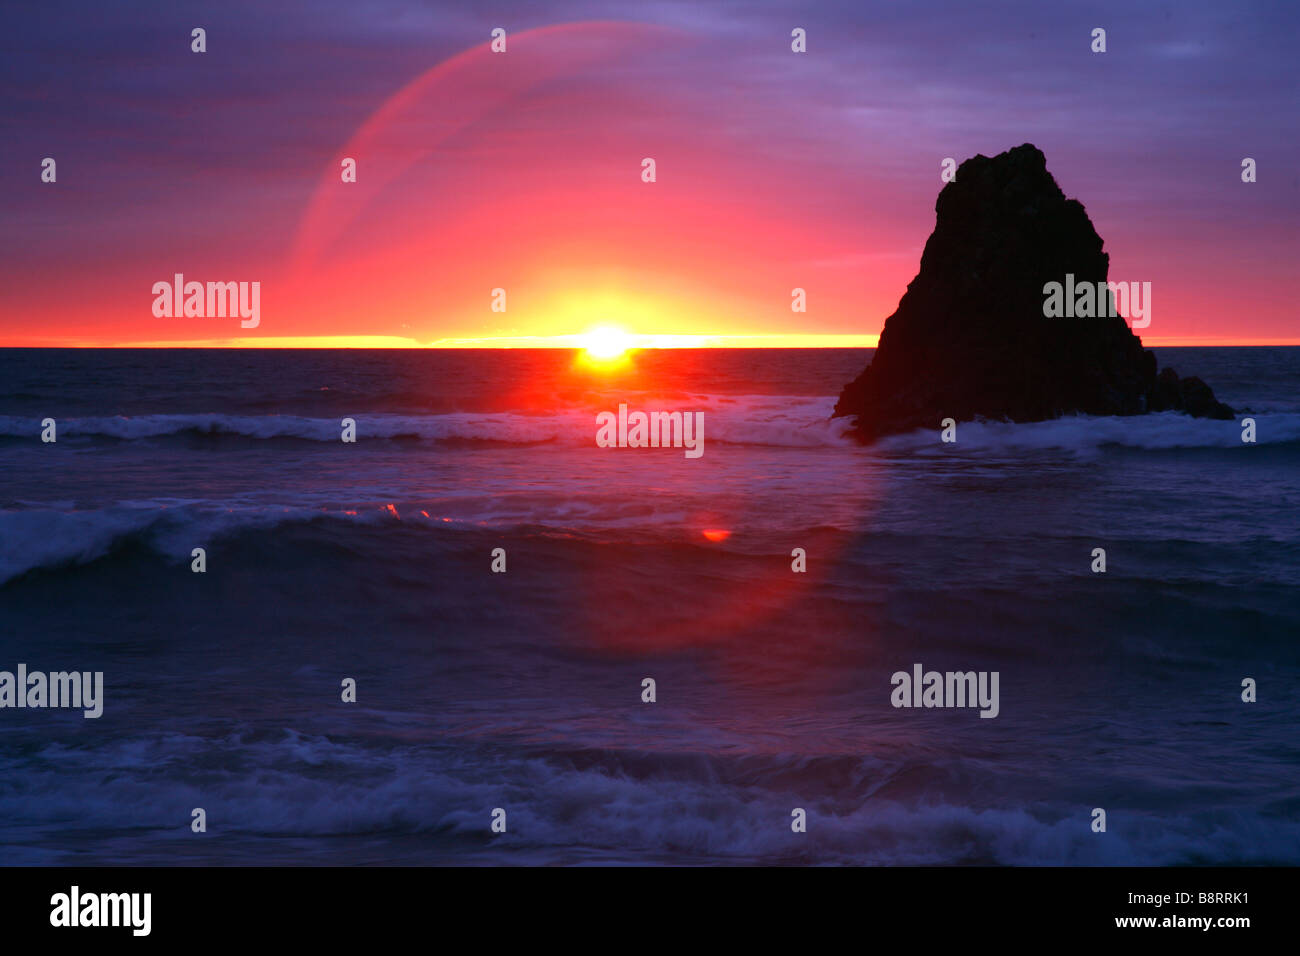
x=522 y=690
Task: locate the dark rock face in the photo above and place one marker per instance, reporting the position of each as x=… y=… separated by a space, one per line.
x=970 y=340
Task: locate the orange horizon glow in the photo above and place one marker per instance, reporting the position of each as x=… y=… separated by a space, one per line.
x=571 y=342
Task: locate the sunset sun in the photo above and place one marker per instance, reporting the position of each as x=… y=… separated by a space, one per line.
x=606 y=343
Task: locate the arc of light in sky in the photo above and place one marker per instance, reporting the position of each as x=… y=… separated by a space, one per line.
x=470 y=85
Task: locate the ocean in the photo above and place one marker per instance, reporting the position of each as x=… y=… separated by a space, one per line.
x=522 y=691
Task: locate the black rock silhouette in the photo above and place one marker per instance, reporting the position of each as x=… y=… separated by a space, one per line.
x=970 y=339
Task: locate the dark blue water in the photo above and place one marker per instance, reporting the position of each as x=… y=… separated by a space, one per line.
x=522 y=690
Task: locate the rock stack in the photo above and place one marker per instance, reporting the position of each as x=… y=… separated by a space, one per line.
x=970 y=338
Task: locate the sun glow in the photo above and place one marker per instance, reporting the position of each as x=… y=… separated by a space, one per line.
x=606 y=343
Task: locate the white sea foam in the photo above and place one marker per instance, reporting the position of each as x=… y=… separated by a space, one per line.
x=798 y=421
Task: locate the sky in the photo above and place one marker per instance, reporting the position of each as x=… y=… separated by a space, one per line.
x=522 y=171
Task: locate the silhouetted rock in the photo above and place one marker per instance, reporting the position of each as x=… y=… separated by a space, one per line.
x=970 y=339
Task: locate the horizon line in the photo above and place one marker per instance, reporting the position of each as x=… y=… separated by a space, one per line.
x=575 y=342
